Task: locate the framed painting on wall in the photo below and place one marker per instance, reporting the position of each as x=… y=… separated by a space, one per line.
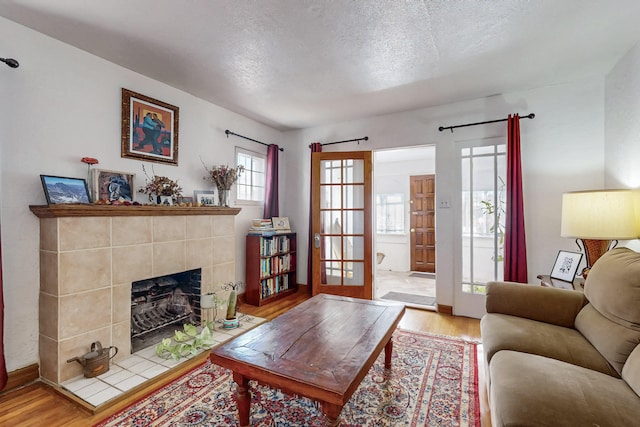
x=149 y=129
x=112 y=185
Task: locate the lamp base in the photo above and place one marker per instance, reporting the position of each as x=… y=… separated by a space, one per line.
x=593 y=250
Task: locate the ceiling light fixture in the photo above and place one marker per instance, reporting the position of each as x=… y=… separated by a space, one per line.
x=10 y=62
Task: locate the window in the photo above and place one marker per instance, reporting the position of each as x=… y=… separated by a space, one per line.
x=483 y=215
x=390 y=213
x=250 y=186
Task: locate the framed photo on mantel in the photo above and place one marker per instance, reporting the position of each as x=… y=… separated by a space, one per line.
x=149 y=129
x=63 y=190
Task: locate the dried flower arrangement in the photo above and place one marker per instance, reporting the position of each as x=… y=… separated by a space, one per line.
x=223 y=176
x=160 y=186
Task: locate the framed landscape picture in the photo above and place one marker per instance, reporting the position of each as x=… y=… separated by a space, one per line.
x=566 y=266
x=60 y=189
x=112 y=185
x=149 y=129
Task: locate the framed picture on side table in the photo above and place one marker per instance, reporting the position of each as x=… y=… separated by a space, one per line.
x=566 y=266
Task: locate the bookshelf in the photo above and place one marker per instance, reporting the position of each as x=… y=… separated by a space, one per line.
x=270 y=267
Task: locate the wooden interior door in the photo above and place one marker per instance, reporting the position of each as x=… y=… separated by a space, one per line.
x=423 y=223
x=341 y=224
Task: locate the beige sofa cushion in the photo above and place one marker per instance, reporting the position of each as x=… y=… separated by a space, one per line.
x=631 y=370
x=614 y=342
x=505 y=332
x=548 y=305
x=613 y=287
x=530 y=390
x=611 y=320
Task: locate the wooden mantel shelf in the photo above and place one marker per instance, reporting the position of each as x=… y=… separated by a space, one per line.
x=72 y=210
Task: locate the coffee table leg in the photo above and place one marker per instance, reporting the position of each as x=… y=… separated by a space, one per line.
x=388 y=350
x=332 y=412
x=243 y=398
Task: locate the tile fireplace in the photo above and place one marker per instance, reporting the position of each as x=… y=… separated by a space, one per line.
x=91 y=255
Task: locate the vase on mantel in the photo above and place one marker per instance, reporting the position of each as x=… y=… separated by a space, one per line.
x=223 y=197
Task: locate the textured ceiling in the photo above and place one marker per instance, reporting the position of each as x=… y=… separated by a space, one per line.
x=301 y=63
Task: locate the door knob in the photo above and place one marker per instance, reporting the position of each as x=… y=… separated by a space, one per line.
x=413 y=230
x=316 y=240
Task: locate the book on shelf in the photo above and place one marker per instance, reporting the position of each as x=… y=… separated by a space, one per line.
x=261 y=227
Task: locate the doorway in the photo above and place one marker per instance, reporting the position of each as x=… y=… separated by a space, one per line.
x=401 y=210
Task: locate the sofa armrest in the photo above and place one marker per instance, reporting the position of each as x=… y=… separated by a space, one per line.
x=550 y=305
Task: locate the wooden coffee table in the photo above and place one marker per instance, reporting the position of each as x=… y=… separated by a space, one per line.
x=321 y=349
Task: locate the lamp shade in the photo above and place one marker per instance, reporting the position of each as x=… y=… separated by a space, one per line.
x=600 y=215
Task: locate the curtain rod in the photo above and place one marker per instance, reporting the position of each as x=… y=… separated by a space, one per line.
x=228 y=132
x=366 y=138
x=441 y=128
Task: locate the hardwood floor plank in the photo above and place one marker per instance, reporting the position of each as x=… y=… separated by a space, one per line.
x=38 y=404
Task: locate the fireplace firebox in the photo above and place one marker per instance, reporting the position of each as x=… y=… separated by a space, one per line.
x=161 y=305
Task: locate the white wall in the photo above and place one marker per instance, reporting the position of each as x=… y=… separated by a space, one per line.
x=622 y=122
x=63 y=104
x=622 y=126
x=562 y=151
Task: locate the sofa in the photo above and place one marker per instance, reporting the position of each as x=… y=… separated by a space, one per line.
x=556 y=357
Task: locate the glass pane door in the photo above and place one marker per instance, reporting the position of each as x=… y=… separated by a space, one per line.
x=343 y=231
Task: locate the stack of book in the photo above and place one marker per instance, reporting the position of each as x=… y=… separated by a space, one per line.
x=261 y=227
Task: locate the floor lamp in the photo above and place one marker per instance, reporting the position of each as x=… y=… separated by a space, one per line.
x=596 y=218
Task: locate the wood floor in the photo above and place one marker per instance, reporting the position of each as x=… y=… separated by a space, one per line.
x=38 y=404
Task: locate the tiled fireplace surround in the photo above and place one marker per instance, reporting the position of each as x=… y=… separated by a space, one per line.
x=87 y=264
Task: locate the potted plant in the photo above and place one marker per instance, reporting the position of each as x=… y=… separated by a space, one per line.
x=186 y=342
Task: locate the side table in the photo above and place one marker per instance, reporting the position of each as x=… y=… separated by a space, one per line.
x=546 y=280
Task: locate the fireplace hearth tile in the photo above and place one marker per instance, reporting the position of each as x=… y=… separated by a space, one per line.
x=103 y=396
x=131 y=231
x=84 y=233
x=82 y=271
x=117 y=377
x=169 y=228
x=168 y=258
x=131 y=263
x=137 y=368
x=141 y=367
x=130 y=382
x=199 y=227
x=154 y=371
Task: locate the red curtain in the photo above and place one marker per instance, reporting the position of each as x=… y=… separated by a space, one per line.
x=515 y=242
x=3 y=366
x=271 y=184
x=316 y=147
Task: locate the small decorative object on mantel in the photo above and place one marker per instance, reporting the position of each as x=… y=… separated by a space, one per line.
x=223 y=177
x=90 y=161
x=160 y=189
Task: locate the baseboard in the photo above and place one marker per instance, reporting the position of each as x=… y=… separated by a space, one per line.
x=22 y=376
x=445 y=309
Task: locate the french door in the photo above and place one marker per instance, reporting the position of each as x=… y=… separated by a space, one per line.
x=341 y=223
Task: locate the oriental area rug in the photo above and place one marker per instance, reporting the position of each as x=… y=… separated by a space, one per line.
x=433 y=381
